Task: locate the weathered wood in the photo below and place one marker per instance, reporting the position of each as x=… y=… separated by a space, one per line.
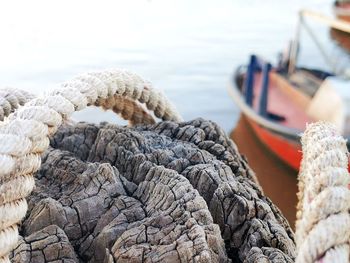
x=169 y=192
x=49 y=244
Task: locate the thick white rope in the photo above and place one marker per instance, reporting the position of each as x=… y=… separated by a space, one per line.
x=24 y=134
x=323 y=219
x=12 y=99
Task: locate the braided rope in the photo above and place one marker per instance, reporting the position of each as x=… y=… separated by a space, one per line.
x=12 y=99
x=128 y=109
x=323 y=219
x=24 y=134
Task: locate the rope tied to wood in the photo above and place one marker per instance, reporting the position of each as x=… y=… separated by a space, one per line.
x=24 y=133
x=323 y=219
x=262 y=233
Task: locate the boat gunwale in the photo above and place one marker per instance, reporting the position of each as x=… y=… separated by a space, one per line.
x=286 y=132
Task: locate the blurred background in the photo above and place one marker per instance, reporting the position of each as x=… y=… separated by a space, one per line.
x=189 y=49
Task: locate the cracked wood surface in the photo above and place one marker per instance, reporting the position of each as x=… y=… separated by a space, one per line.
x=169 y=192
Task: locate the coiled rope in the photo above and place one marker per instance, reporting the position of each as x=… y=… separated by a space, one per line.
x=24 y=134
x=323 y=219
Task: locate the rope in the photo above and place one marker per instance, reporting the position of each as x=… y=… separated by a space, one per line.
x=24 y=134
x=12 y=99
x=128 y=109
x=323 y=220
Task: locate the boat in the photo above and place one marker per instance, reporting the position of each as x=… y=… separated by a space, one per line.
x=342 y=13
x=341 y=38
x=279 y=100
x=341 y=9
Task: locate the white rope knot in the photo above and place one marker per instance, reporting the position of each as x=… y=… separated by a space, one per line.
x=323 y=219
x=24 y=133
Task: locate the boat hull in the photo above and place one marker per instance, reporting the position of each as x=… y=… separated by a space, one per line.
x=286 y=150
x=341 y=38
x=276 y=109
x=279 y=138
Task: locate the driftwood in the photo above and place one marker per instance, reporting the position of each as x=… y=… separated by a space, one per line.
x=167 y=192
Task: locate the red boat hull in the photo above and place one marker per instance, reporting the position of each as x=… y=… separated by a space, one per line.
x=277 y=109
x=288 y=151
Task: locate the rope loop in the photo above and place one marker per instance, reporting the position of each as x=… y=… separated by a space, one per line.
x=28 y=122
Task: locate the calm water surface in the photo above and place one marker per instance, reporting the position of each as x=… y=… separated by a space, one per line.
x=187 y=48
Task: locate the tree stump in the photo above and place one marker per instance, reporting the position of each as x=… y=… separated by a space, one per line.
x=168 y=192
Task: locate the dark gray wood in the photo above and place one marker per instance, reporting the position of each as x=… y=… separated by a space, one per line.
x=169 y=192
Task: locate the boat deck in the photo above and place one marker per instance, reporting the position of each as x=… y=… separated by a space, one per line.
x=281 y=103
x=305 y=81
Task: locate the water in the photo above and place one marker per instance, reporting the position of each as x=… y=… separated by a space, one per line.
x=189 y=49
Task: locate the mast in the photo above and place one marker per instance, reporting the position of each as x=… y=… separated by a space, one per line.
x=331 y=22
x=295 y=44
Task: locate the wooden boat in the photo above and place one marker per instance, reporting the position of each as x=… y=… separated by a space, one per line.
x=341 y=38
x=342 y=12
x=341 y=9
x=278 y=101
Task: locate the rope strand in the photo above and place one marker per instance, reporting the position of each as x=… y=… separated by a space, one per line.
x=323 y=220
x=12 y=99
x=24 y=135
